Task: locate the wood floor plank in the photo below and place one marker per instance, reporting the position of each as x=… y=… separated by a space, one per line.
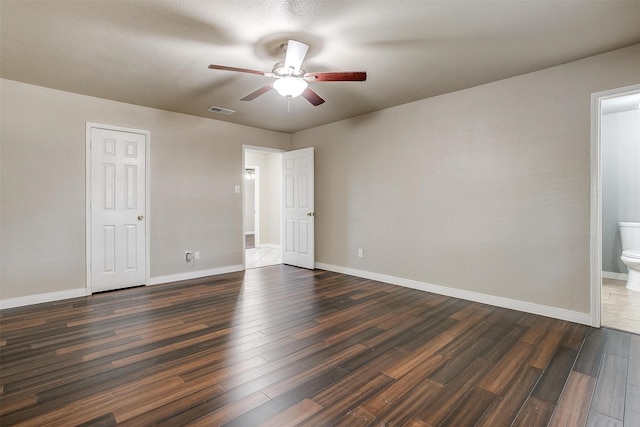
x=415 y=423
x=537 y=330
x=316 y=368
x=274 y=406
x=388 y=397
x=227 y=413
x=470 y=409
x=575 y=336
x=16 y=402
x=504 y=371
x=573 y=406
x=345 y=394
x=505 y=344
x=546 y=348
x=410 y=402
x=535 y=413
x=588 y=361
x=437 y=410
x=282 y=346
x=459 y=357
x=293 y=415
x=270 y=373
x=175 y=406
x=418 y=356
x=505 y=409
x=356 y=417
x=555 y=374
x=106 y=420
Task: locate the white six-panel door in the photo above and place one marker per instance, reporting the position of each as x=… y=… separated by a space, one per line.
x=298 y=216
x=117 y=209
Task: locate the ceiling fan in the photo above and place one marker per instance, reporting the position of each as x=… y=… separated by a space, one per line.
x=291 y=79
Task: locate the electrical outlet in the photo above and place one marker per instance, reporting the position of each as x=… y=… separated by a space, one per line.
x=188 y=256
x=360 y=253
x=197 y=255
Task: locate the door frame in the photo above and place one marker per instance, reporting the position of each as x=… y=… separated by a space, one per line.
x=246 y=148
x=595 y=233
x=147 y=140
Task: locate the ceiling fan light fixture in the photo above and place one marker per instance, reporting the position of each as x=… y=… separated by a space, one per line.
x=290 y=87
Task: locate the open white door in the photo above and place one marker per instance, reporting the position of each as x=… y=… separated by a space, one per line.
x=298 y=216
x=118 y=192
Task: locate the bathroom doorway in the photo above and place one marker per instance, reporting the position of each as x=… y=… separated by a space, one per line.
x=262 y=189
x=616 y=155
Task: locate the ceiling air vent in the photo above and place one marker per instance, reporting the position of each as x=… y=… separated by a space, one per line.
x=220 y=110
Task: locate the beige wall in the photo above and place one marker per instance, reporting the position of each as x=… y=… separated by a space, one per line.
x=195 y=165
x=483 y=190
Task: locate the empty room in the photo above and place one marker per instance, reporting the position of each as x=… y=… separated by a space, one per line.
x=319 y=213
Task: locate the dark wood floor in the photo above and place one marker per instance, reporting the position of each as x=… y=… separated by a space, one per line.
x=284 y=346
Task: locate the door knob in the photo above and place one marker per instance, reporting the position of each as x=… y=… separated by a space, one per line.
x=311 y=214
x=140 y=217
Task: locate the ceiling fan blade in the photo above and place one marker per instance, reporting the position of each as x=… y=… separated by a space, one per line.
x=312 y=97
x=296 y=51
x=240 y=70
x=257 y=93
x=342 y=76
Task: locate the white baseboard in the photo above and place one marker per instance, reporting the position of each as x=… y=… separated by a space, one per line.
x=193 y=275
x=40 y=298
x=527 y=307
x=82 y=292
x=615 y=276
x=543 y=310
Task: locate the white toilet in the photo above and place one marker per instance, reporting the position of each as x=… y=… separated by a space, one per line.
x=630 y=236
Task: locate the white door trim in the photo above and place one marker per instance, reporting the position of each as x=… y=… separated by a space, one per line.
x=147 y=135
x=596 y=198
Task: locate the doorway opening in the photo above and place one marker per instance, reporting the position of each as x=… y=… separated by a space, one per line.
x=262 y=185
x=615 y=177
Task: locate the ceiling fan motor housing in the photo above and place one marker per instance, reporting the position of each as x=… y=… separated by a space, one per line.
x=279 y=70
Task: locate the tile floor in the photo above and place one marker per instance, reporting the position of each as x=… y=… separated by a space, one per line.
x=620 y=306
x=262 y=257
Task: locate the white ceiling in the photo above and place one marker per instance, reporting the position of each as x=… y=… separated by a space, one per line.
x=156 y=53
